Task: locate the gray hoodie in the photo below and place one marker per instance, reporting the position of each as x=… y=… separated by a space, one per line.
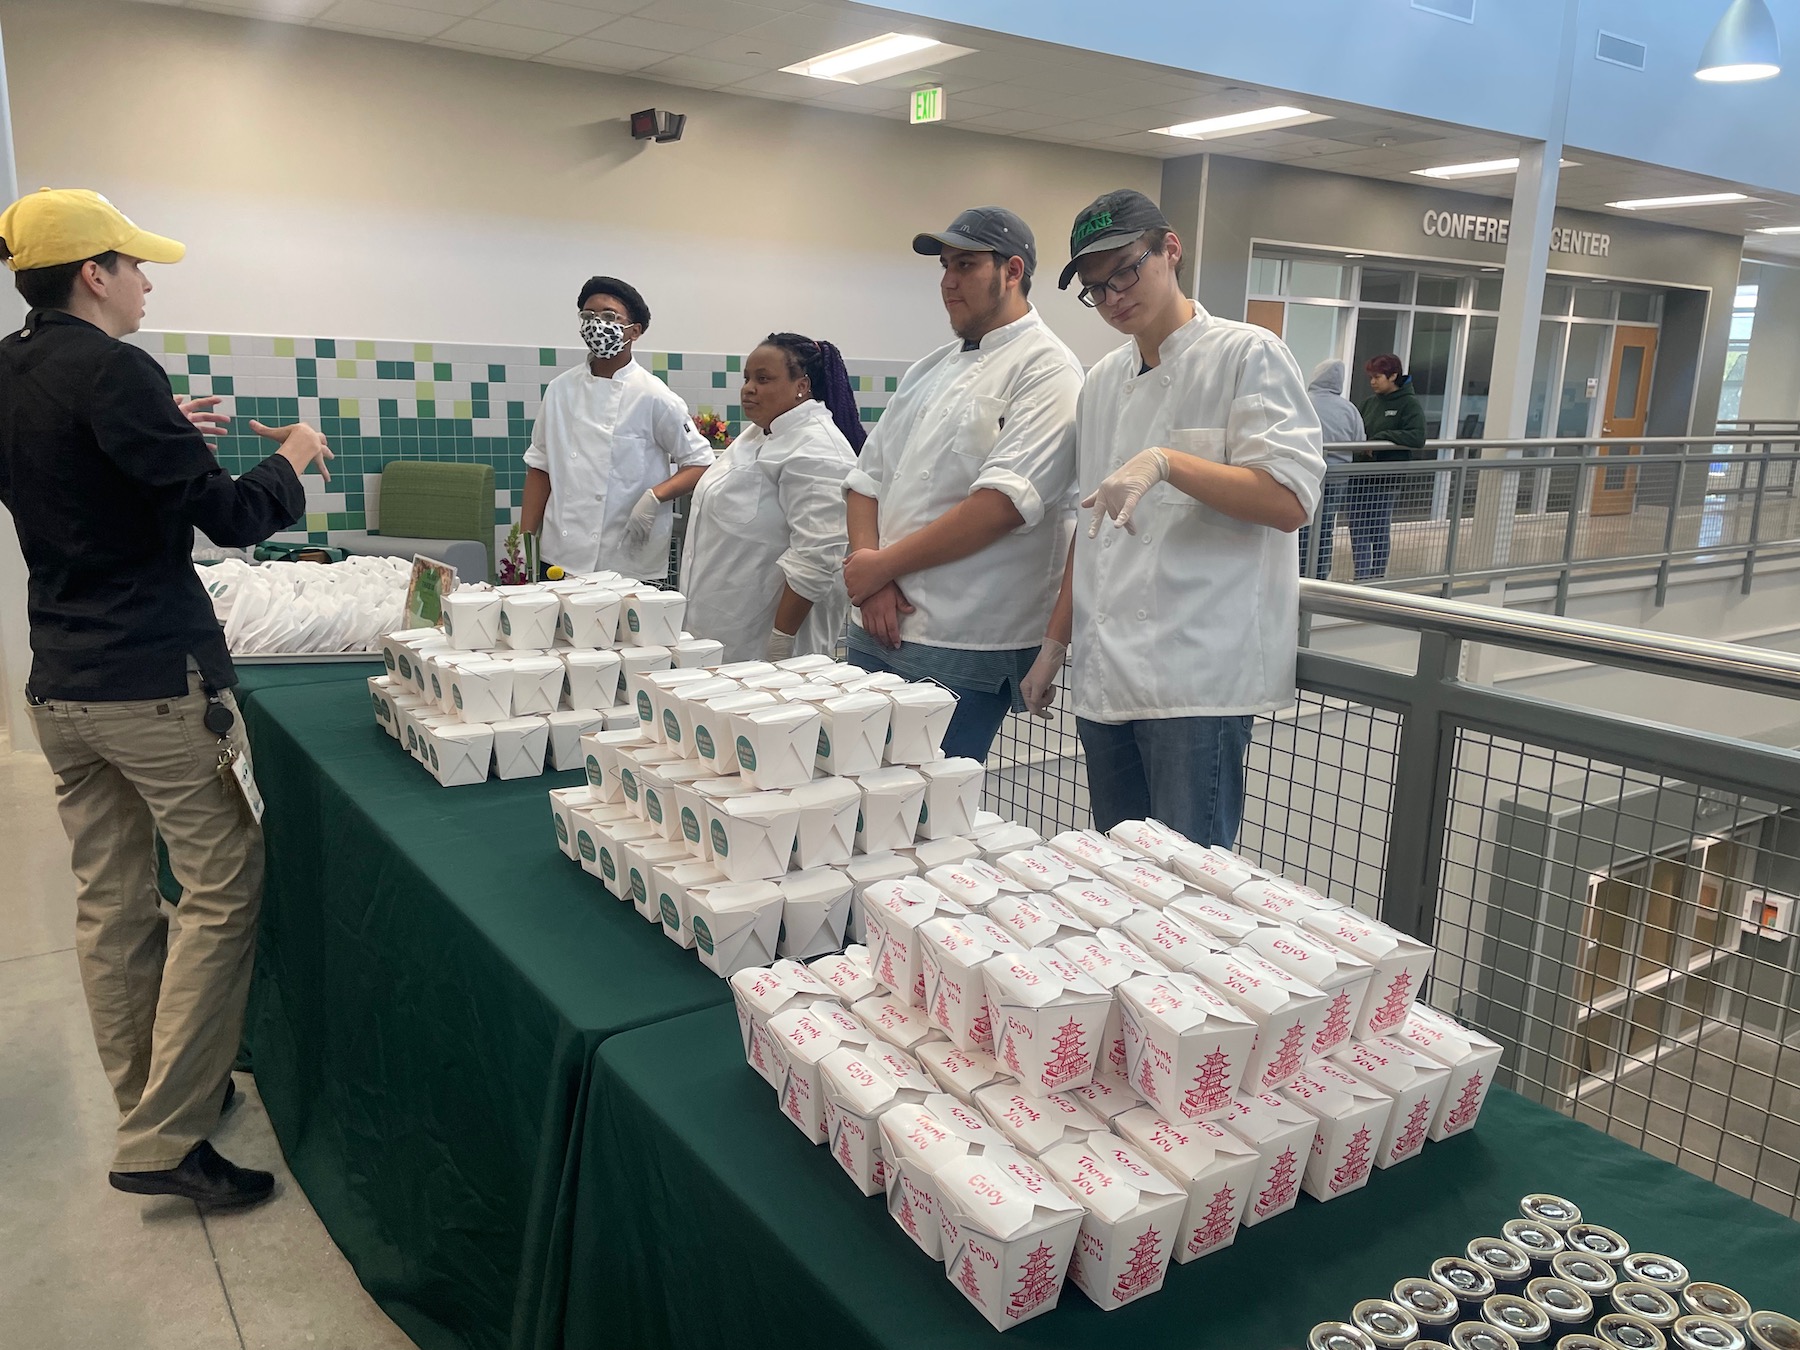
x=1338 y=416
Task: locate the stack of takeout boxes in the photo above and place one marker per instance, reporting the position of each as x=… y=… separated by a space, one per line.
x=1080 y=1059
x=517 y=675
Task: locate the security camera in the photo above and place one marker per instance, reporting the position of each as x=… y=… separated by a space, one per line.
x=661 y=127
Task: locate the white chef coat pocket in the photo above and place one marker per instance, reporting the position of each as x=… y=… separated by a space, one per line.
x=982 y=422
x=1206 y=443
x=1184 y=516
x=735 y=499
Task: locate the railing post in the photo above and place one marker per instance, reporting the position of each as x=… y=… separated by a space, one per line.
x=1568 y=553
x=1762 y=482
x=1662 y=568
x=1420 y=812
x=1448 y=589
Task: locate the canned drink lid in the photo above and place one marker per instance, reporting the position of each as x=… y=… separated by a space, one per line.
x=1427 y=1300
x=1337 y=1336
x=1629 y=1332
x=1698 y=1331
x=1500 y=1257
x=1648 y=1302
x=1385 y=1322
x=1592 y=1273
x=1580 y=1340
x=1477 y=1336
x=1463 y=1277
x=1539 y=1239
x=1562 y=1300
x=1551 y=1209
x=1665 y=1272
x=1770 y=1330
x=1527 y=1322
x=1598 y=1239
x=1715 y=1300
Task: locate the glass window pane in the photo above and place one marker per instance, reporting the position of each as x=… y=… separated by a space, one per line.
x=1543 y=368
x=1487 y=293
x=1377 y=333
x=1315 y=333
x=1637 y=306
x=1265 y=276
x=1327 y=281
x=1478 y=370
x=1434 y=335
x=1588 y=344
x=1593 y=302
x=1386 y=287
x=1631 y=377
x=1556 y=297
x=1440 y=292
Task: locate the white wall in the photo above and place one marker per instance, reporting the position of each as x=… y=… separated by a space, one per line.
x=335 y=185
x=1772 y=366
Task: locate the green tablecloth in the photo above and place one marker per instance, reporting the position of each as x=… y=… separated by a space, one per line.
x=254 y=679
x=727 y=1229
x=433 y=979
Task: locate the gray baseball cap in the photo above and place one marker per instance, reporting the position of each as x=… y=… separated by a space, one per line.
x=991 y=229
x=1110 y=221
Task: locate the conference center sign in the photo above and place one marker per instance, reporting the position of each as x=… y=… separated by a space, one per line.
x=1495 y=229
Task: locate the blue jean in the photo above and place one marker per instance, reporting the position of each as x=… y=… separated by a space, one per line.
x=1371 y=510
x=1331 y=501
x=974 y=724
x=1187 y=772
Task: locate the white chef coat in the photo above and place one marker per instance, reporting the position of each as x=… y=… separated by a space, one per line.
x=604 y=442
x=770 y=509
x=1197 y=614
x=1001 y=416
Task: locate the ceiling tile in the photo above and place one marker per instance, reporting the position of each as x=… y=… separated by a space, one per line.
x=714 y=16
x=592 y=54
x=1006 y=120
x=635 y=31
x=373 y=16
x=700 y=72
x=546 y=15
x=503 y=38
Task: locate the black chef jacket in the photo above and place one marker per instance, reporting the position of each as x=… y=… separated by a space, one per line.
x=107 y=481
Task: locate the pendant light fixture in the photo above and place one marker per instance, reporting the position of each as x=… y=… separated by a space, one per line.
x=1743 y=47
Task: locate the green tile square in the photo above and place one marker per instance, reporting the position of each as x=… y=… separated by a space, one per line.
x=733 y=413
x=440 y=370
x=424 y=389
x=222 y=384
x=317 y=520
x=175 y=342
x=365 y=351
x=306 y=367
x=427 y=407
x=868 y=414
x=478 y=392
x=178 y=383
x=337 y=520
x=403 y=370
x=308 y=388
x=675 y=359
x=893 y=383
x=463 y=408
x=421 y=351
x=497 y=374
x=328 y=407
x=546 y=356
x=718 y=379
x=218 y=345
x=358 y=521
x=346 y=370
x=384 y=370
x=199 y=365
x=734 y=364
x=349 y=407
x=325 y=347
x=659 y=363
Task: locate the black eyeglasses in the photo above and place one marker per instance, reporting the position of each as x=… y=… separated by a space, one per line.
x=1118 y=283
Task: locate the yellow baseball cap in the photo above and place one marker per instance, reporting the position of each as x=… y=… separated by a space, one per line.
x=64 y=225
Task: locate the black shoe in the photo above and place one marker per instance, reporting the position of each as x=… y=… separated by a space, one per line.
x=203 y=1177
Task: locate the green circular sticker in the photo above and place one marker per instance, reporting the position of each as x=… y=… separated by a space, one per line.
x=653 y=806
x=389 y=658
x=636 y=889
x=859 y=822
x=671 y=727
x=824 y=744
x=631 y=620
x=437 y=690
x=721 y=845
x=703 y=935
x=607 y=869
x=889 y=738
x=405 y=668
x=584 y=845
x=567 y=625
x=593 y=772
x=924 y=812
x=505 y=623
x=562 y=831
x=690 y=825
x=432 y=751
x=670 y=918
x=628 y=781
x=381 y=708
x=447 y=627
x=456 y=696
x=644 y=713
x=703 y=742
x=746 y=754
x=412 y=739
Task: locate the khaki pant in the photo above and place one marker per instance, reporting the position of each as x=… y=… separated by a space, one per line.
x=166 y=992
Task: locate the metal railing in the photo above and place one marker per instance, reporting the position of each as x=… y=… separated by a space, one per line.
x=1478 y=512
x=1608 y=897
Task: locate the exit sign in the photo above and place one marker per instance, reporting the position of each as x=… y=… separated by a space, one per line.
x=928 y=105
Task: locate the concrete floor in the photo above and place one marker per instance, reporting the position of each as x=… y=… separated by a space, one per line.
x=82 y=1266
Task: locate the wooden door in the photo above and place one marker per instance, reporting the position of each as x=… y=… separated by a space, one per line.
x=1268 y=314
x=1627 y=409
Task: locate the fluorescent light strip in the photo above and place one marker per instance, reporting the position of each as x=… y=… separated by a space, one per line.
x=1697 y=199
x=1780 y=229
x=888 y=48
x=1236 y=124
x=1487 y=168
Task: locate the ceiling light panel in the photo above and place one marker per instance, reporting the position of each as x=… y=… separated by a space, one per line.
x=878 y=58
x=1242 y=123
x=1695 y=199
x=1487 y=168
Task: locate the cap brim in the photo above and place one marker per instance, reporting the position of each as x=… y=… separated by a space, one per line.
x=147 y=247
x=931 y=245
x=1099 y=244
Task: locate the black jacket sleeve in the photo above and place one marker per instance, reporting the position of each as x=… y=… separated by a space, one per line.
x=139 y=428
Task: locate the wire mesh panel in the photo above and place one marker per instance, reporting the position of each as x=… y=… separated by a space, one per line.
x=1035 y=775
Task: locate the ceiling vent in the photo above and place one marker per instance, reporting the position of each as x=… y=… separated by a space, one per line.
x=1620 y=51
x=1461 y=10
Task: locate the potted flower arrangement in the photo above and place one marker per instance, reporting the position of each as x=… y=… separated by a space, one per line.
x=715 y=429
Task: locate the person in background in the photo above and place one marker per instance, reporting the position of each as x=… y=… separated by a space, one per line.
x=1201 y=446
x=762 y=567
x=612 y=447
x=957 y=506
x=1391 y=413
x=1342 y=425
x=130 y=686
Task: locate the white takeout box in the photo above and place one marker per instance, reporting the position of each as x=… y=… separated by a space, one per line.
x=1145 y=881
x=953 y=951
x=1099 y=904
x=1015 y=1231
x=744 y=670
x=519 y=746
x=736 y=925
x=1168 y=937
x=1088 y=848
x=1470 y=1057
x=945 y=852
x=863 y=1083
x=652 y=619
x=758 y=994
x=600 y=757
x=620 y=718
x=1038 y=920
x=631 y=761
x=775 y=745
x=567 y=727
x=592 y=678
x=677 y=883
x=864 y=870
x=826 y=835
x=397 y=650
x=638 y=661
x=1282 y=1134
x=459 y=752
x=1151 y=838
x=641 y=858
x=815 y=909
x=1229 y=923
x=752 y=836
x=588 y=824
x=952 y=794
x=695 y=653
x=1039 y=868
x=693 y=806
x=528 y=621
x=803 y=1036
x=1352 y=1115
x=472 y=620
x=537 y=685
x=973 y=884
x=1133 y=1216
x=481 y=691
x=610 y=839
x=562 y=802
x=850 y=973
x=657 y=696
x=852 y=731
x=808 y=664
x=1035 y=1122
x=877 y=679
x=891 y=799
x=1412 y=1078
x=381 y=691
x=1185 y=1047
x=1401 y=964
x=590 y=618
x=962 y=1073
x=1287 y=1011
x=1048 y=1015
x=1110 y=959
x=775 y=682
x=921 y=716
x=1108 y=1098
x=1280 y=899
x=892 y=1019
x=1210 y=1163
x=916 y=1140
x=1210 y=870
x=1006 y=837
x=684 y=699
x=1343 y=978
x=662 y=786
x=710 y=722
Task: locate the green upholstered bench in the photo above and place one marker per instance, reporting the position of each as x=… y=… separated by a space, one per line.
x=442 y=510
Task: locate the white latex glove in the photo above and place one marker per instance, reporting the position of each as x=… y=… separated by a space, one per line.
x=779 y=647
x=642 y=520
x=1121 y=491
x=1038 y=689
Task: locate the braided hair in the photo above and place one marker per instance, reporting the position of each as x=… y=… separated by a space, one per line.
x=823 y=366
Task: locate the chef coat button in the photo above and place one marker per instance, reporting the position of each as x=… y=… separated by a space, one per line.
x=1107 y=542
x=924 y=473
x=1165 y=380
x=1143 y=614
x=1100 y=619
x=1146 y=538
x=599 y=496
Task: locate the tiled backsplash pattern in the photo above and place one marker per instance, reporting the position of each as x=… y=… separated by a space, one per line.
x=381 y=400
